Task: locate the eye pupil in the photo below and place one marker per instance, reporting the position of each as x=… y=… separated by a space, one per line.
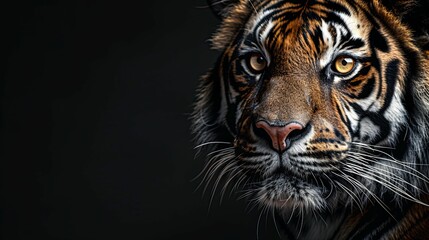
x=344 y=62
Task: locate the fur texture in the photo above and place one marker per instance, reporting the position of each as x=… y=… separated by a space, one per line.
x=351 y=79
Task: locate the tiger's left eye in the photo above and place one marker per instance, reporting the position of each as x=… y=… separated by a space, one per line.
x=344 y=64
x=256 y=63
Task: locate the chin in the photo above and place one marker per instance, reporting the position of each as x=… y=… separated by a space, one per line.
x=286 y=192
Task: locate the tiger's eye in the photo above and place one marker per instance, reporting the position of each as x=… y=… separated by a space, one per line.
x=256 y=63
x=344 y=64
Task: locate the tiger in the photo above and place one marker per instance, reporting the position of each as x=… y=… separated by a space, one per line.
x=319 y=110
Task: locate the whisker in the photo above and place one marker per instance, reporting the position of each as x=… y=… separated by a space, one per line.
x=227 y=168
x=332 y=183
x=363 y=187
x=208 y=164
x=391 y=158
x=370 y=146
x=264 y=211
x=379 y=172
x=391 y=187
x=275 y=221
x=215 y=3
x=257 y=225
x=301 y=211
x=412 y=171
x=215 y=167
x=352 y=195
x=210 y=143
x=354 y=185
x=291 y=215
x=220 y=150
x=211 y=167
x=234 y=173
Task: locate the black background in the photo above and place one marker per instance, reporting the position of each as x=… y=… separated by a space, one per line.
x=96 y=97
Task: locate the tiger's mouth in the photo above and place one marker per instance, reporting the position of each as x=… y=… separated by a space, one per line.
x=293 y=184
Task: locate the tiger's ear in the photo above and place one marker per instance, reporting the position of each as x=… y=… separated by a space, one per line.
x=221 y=7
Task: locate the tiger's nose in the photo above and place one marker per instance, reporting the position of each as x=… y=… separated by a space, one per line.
x=281 y=135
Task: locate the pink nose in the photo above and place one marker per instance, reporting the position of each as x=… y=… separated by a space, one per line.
x=279 y=134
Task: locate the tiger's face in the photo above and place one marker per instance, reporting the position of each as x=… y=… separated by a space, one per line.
x=310 y=94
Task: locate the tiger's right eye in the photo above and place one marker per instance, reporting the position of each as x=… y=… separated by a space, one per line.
x=256 y=63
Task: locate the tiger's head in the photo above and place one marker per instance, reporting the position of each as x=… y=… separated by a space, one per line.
x=317 y=103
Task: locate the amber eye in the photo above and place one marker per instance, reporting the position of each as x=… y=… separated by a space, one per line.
x=344 y=64
x=256 y=63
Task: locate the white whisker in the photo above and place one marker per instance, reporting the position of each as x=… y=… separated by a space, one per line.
x=382 y=172
x=363 y=187
x=391 y=187
x=412 y=171
x=391 y=158
x=220 y=150
x=211 y=143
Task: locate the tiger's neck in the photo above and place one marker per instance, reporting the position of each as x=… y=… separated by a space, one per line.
x=314 y=226
x=374 y=221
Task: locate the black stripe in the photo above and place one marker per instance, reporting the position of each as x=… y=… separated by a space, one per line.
x=334 y=18
x=352 y=4
x=230 y=105
x=367 y=89
x=319 y=154
x=302 y=165
x=211 y=87
x=358 y=109
x=339 y=135
x=337 y=7
x=251 y=40
x=391 y=74
x=344 y=119
x=370 y=17
x=377 y=119
x=383 y=124
x=327 y=140
x=353 y=43
x=334 y=37
x=275 y=9
x=378 y=41
x=375 y=63
x=365 y=70
x=317 y=36
x=361 y=113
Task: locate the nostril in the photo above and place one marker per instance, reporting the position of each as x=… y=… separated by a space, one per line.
x=281 y=135
x=261 y=133
x=296 y=133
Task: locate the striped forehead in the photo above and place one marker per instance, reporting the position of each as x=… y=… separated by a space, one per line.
x=274 y=25
x=286 y=11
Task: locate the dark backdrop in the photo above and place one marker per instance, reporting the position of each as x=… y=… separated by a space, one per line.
x=95 y=102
